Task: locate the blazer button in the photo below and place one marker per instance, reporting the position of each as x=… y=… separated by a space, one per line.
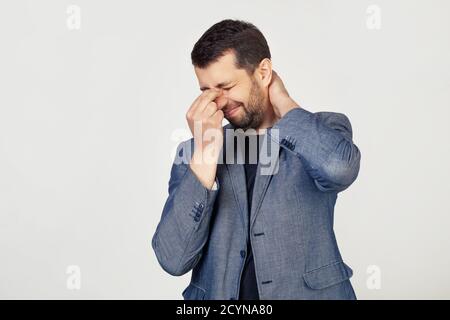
x=242 y=253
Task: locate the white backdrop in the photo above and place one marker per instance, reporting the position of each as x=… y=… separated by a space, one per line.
x=93 y=96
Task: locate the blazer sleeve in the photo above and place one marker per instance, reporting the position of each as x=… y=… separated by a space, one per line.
x=184 y=225
x=323 y=141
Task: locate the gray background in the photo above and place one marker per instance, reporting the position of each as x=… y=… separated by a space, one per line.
x=89 y=119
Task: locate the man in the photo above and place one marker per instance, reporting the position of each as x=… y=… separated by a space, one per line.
x=244 y=233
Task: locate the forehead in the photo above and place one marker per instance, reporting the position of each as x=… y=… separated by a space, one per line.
x=219 y=72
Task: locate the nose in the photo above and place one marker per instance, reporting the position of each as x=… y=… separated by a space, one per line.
x=221 y=100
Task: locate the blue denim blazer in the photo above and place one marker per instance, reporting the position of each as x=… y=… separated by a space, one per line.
x=295 y=251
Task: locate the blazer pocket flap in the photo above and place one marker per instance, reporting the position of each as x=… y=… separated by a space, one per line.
x=328 y=275
x=193 y=292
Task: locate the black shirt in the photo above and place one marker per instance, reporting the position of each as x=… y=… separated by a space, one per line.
x=248 y=287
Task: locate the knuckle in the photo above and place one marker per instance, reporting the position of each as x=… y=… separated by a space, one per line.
x=220 y=114
x=203 y=100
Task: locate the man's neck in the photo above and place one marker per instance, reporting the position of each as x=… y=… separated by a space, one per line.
x=269 y=120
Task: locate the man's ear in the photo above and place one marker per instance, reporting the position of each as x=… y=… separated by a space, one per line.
x=263 y=72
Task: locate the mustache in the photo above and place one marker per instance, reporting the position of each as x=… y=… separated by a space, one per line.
x=231 y=107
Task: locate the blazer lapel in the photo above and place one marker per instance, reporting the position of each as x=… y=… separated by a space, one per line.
x=238 y=180
x=264 y=174
x=262 y=179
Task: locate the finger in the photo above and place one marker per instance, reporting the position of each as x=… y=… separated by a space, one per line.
x=194 y=104
x=202 y=101
x=207 y=97
x=210 y=109
x=274 y=76
x=218 y=115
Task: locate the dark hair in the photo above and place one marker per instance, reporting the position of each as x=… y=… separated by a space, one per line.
x=243 y=38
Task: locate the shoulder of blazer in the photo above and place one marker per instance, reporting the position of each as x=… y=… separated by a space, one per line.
x=337 y=121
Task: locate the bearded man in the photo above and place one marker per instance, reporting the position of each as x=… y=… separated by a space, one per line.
x=245 y=232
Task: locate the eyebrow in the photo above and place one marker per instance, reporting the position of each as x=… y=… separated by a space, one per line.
x=220 y=85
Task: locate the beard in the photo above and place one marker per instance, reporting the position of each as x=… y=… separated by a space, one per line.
x=253 y=113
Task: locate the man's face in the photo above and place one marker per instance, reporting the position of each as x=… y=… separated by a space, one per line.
x=243 y=101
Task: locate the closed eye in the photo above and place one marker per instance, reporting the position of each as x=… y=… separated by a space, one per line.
x=221 y=87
